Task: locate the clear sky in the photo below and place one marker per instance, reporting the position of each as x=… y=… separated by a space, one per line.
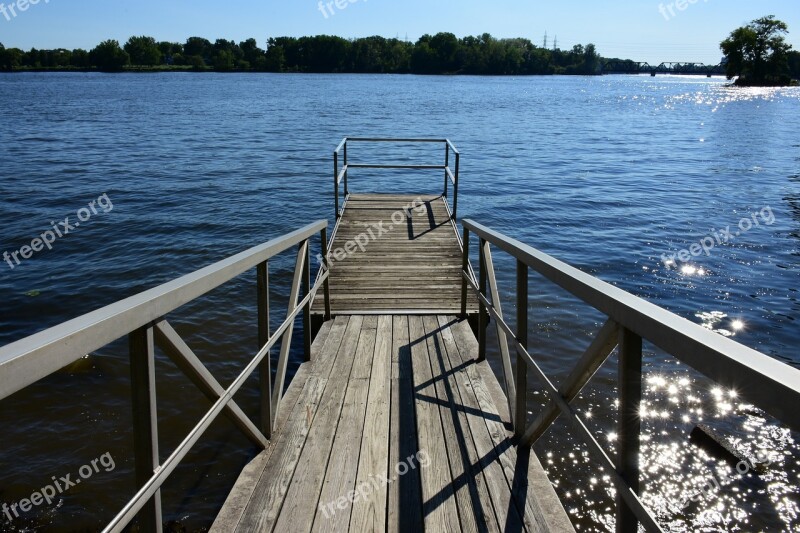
x=635 y=29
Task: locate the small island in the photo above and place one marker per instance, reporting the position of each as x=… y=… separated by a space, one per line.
x=757 y=55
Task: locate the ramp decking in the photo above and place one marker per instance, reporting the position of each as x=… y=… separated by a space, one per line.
x=410 y=260
x=394 y=425
x=385 y=395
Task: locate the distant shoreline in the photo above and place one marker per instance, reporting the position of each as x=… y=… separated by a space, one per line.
x=210 y=70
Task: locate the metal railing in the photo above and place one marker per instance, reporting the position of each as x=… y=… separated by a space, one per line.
x=142 y=319
x=340 y=175
x=766 y=382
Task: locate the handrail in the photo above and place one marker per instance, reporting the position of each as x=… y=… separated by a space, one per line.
x=28 y=360
x=398 y=167
x=141 y=317
x=760 y=379
x=765 y=381
x=391 y=140
x=163 y=472
x=340 y=175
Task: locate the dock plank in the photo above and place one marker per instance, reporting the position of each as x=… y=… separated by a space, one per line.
x=315 y=455
x=369 y=513
x=265 y=506
x=342 y=467
x=440 y=508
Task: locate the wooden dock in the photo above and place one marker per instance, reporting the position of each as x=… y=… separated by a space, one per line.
x=394 y=387
x=395 y=420
x=385 y=396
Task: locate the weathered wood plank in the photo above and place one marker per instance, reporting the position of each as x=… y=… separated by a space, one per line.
x=235 y=504
x=493 y=493
x=439 y=506
x=404 y=513
x=369 y=513
x=469 y=506
x=485 y=459
x=517 y=469
x=309 y=474
x=342 y=468
x=264 y=508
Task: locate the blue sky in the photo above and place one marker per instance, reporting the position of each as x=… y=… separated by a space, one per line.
x=621 y=28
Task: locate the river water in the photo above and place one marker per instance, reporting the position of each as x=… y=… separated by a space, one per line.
x=612 y=175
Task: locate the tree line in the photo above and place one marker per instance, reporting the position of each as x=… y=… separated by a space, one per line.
x=443 y=53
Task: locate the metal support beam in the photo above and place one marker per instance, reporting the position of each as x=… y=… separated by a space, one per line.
x=483 y=317
x=307 y=309
x=455 y=188
x=336 y=183
x=326 y=288
x=465 y=269
x=286 y=341
x=265 y=368
x=592 y=359
x=502 y=340
x=446 y=165
x=522 y=338
x=346 y=190
x=629 y=424
x=145 y=422
x=185 y=359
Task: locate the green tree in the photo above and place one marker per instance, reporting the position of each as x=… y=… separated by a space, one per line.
x=758 y=53
x=196 y=62
x=794 y=64
x=591 y=59
x=197 y=46
x=143 y=51
x=223 y=60
x=275 y=55
x=108 y=55
x=254 y=55
x=80 y=58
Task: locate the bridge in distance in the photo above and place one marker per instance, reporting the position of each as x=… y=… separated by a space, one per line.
x=633 y=67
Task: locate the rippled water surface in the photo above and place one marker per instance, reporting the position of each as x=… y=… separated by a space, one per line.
x=612 y=175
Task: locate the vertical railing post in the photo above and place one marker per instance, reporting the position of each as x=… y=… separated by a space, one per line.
x=265 y=368
x=446 y=166
x=346 y=190
x=307 y=308
x=336 y=182
x=455 y=188
x=464 y=271
x=521 y=418
x=483 y=318
x=326 y=287
x=145 y=421
x=629 y=424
